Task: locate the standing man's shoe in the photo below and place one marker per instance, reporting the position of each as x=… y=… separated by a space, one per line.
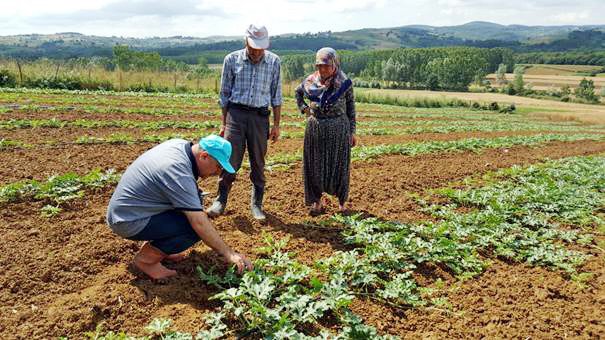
x=257 y=213
x=256 y=203
x=216 y=209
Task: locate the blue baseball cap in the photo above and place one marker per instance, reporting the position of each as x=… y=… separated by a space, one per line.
x=220 y=149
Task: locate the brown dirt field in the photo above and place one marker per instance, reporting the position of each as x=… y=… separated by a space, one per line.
x=16 y=164
x=65 y=275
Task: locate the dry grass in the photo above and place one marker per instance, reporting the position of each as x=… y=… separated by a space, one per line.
x=559 y=70
x=119 y=79
x=545 y=82
x=554 y=110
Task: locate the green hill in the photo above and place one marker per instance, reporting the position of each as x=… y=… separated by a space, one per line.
x=475 y=34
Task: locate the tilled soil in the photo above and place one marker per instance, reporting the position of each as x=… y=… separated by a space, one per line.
x=19 y=163
x=65 y=275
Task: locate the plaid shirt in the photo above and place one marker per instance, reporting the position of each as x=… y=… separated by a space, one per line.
x=256 y=85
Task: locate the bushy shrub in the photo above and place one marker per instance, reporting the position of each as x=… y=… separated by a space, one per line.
x=146 y=87
x=508 y=108
x=586 y=91
x=493 y=106
x=67 y=83
x=7 y=79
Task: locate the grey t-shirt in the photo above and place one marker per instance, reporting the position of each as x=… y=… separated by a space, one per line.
x=161 y=179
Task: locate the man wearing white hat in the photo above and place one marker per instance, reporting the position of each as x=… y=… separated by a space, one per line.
x=250 y=83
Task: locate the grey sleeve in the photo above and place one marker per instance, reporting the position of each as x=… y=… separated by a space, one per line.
x=182 y=191
x=350 y=102
x=300 y=98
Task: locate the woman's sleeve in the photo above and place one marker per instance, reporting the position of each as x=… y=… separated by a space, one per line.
x=300 y=98
x=350 y=102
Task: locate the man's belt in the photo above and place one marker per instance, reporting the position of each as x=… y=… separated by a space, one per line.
x=263 y=111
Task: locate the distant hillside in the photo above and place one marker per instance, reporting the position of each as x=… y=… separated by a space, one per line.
x=476 y=34
x=36 y=40
x=480 y=30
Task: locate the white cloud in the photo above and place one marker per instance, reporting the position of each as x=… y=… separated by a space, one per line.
x=143 y=18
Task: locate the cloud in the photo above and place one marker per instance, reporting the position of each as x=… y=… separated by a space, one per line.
x=143 y=18
x=129 y=9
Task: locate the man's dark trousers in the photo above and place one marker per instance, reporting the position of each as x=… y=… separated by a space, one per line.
x=246 y=127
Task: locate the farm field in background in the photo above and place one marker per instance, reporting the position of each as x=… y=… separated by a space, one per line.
x=534 y=107
x=560 y=70
x=546 y=77
x=442 y=239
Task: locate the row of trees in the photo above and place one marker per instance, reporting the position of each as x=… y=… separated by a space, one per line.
x=562 y=58
x=453 y=68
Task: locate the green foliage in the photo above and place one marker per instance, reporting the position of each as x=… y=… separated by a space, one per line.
x=10 y=144
x=522 y=216
x=518 y=83
x=159 y=329
x=278 y=298
x=525 y=214
x=578 y=57
x=565 y=93
x=451 y=68
x=293 y=67
x=50 y=211
x=427 y=102
x=67 y=83
x=501 y=74
x=93 y=124
x=364 y=153
x=586 y=91
x=57 y=189
x=7 y=79
x=128 y=59
x=470 y=144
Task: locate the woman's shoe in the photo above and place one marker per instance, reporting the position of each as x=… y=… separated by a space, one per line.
x=316 y=209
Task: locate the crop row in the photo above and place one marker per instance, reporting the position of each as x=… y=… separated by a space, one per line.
x=520 y=215
x=417 y=148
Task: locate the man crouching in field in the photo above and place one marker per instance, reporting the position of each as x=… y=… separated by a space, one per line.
x=157 y=200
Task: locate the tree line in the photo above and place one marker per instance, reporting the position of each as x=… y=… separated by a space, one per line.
x=563 y=58
x=450 y=68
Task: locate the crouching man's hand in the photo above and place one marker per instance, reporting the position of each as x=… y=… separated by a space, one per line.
x=240 y=261
x=203 y=227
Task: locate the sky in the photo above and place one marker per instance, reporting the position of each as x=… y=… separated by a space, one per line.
x=202 y=18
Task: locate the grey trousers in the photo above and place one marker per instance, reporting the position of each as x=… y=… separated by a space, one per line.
x=246 y=129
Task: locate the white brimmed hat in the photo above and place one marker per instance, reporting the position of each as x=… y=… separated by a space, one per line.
x=257 y=37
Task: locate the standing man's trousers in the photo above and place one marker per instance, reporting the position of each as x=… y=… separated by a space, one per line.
x=246 y=128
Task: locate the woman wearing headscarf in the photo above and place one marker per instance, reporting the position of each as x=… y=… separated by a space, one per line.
x=326 y=97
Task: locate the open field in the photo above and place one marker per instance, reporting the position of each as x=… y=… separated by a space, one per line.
x=559 y=70
x=469 y=239
x=546 y=82
x=536 y=107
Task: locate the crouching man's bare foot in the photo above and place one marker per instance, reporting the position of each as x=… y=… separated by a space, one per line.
x=176 y=257
x=148 y=260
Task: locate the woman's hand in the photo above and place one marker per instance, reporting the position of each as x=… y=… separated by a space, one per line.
x=307 y=111
x=353 y=140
